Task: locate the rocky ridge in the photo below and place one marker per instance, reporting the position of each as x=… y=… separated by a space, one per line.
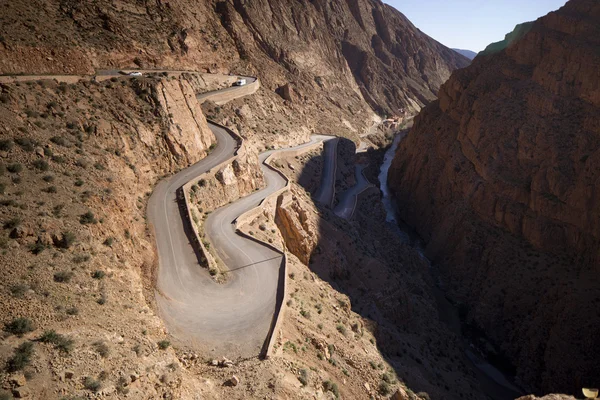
x=499 y=177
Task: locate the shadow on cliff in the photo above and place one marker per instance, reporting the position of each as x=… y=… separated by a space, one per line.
x=386 y=283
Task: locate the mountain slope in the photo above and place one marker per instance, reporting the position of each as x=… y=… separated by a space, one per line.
x=500 y=177
x=467 y=53
x=335 y=46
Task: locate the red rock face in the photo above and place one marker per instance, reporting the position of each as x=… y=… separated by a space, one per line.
x=501 y=178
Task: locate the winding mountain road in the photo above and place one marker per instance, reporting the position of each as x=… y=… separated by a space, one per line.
x=345 y=208
x=231 y=319
x=326 y=191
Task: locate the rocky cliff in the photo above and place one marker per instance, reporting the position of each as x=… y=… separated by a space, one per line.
x=500 y=177
x=329 y=50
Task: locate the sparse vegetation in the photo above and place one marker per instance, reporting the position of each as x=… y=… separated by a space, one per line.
x=303 y=377
x=88 y=218
x=341 y=329
x=59 y=341
x=164 y=344
x=66 y=241
x=12 y=223
x=19 y=326
x=384 y=388
x=37 y=247
x=6 y=145
x=98 y=274
x=101 y=348
x=63 y=276
x=21 y=357
x=14 y=168
x=26 y=144
x=332 y=387
x=81 y=258
x=19 y=290
x=41 y=165
x=91 y=384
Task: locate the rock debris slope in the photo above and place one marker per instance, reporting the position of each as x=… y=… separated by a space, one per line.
x=500 y=177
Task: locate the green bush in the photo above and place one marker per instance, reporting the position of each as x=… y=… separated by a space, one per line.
x=72 y=311
x=48 y=178
x=91 y=384
x=14 y=168
x=341 y=329
x=59 y=341
x=19 y=290
x=81 y=258
x=26 y=144
x=332 y=387
x=98 y=274
x=63 y=276
x=102 y=348
x=164 y=344
x=37 y=247
x=59 y=140
x=67 y=240
x=12 y=223
x=19 y=326
x=303 y=377
x=21 y=357
x=41 y=165
x=51 y=189
x=384 y=388
x=109 y=241
x=88 y=218
x=6 y=145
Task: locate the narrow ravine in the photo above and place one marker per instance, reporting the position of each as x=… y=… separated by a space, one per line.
x=493 y=382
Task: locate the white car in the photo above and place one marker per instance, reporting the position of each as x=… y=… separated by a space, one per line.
x=240 y=82
x=135 y=73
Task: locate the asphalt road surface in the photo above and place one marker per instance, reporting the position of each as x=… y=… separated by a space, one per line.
x=231 y=319
x=326 y=191
x=348 y=199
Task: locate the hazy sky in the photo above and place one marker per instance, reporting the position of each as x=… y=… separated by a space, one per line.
x=472 y=24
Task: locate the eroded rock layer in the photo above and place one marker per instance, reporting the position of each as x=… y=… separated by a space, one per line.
x=500 y=177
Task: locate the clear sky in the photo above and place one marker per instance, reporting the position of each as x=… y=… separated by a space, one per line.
x=472 y=24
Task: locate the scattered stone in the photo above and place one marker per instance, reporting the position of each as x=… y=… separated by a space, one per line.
x=21 y=393
x=69 y=374
x=367 y=387
x=17 y=380
x=234 y=381
x=225 y=362
x=133 y=377
x=214 y=363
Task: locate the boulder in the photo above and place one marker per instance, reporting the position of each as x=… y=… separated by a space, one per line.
x=400 y=394
x=233 y=381
x=21 y=392
x=17 y=380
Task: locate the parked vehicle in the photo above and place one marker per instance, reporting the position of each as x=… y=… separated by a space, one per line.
x=135 y=73
x=239 y=82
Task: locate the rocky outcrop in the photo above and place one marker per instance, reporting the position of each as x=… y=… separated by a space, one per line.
x=500 y=177
x=188 y=135
x=361 y=45
x=298 y=231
